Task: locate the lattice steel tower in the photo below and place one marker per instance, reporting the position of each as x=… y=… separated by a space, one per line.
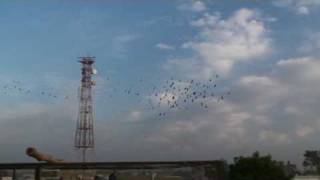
x=84 y=137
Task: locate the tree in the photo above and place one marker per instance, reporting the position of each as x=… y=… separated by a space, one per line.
x=311 y=162
x=258 y=167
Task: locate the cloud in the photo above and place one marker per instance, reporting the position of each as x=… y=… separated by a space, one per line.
x=296 y=70
x=164 y=46
x=221 y=124
x=304 y=131
x=198 y=6
x=135 y=116
x=157 y=20
x=241 y=38
x=276 y=108
x=311 y=44
x=303 y=10
x=206 y=20
x=120 y=44
x=37 y=119
x=301 y=7
x=286 y=96
x=37 y=124
x=23 y=110
x=194 y=5
x=274 y=137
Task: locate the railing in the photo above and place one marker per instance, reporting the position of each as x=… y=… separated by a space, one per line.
x=217 y=168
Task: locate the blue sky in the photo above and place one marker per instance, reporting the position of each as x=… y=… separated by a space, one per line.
x=266 y=54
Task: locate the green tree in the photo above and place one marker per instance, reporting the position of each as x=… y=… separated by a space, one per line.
x=311 y=162
x=258 y=167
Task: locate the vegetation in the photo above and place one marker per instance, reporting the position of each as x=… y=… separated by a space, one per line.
x=258 y=167
x=311 y=162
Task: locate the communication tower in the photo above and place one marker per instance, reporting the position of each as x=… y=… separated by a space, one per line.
x=84 y=137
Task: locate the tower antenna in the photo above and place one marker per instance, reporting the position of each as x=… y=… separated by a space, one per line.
x=84 y=136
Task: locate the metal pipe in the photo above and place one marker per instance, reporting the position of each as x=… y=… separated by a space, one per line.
x=32 y=152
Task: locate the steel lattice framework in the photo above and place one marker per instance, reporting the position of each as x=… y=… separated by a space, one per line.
x=84 y=137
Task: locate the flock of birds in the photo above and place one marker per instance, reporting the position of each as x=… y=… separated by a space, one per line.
x=171 y=95
x=17 y=87
x=174 y=94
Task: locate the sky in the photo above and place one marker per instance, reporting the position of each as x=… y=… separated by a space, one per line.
x=266 y=53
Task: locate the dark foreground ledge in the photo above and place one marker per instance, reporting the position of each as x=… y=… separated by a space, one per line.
x=112 y=165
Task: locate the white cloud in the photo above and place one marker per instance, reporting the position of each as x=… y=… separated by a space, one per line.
x=277 y=108
x=266 y=109
x=300 y=70
x=303 y=10
x=206 y=20
x=286 y=96
x=194 y=5
x=301 y=7
x=23 y=110
x=135 y=116
x=274 y=137
x=311 y=44
x=198 y=6
x=255 y=81
x=222 y=43
x=303 y=131
x=42 y=125
x=165 y=46
x=120 y=44
x=222 y=124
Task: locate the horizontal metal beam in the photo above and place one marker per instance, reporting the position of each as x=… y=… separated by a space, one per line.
x=111 y=165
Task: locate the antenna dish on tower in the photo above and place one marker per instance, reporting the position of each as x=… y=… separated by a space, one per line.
x=94 y=71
